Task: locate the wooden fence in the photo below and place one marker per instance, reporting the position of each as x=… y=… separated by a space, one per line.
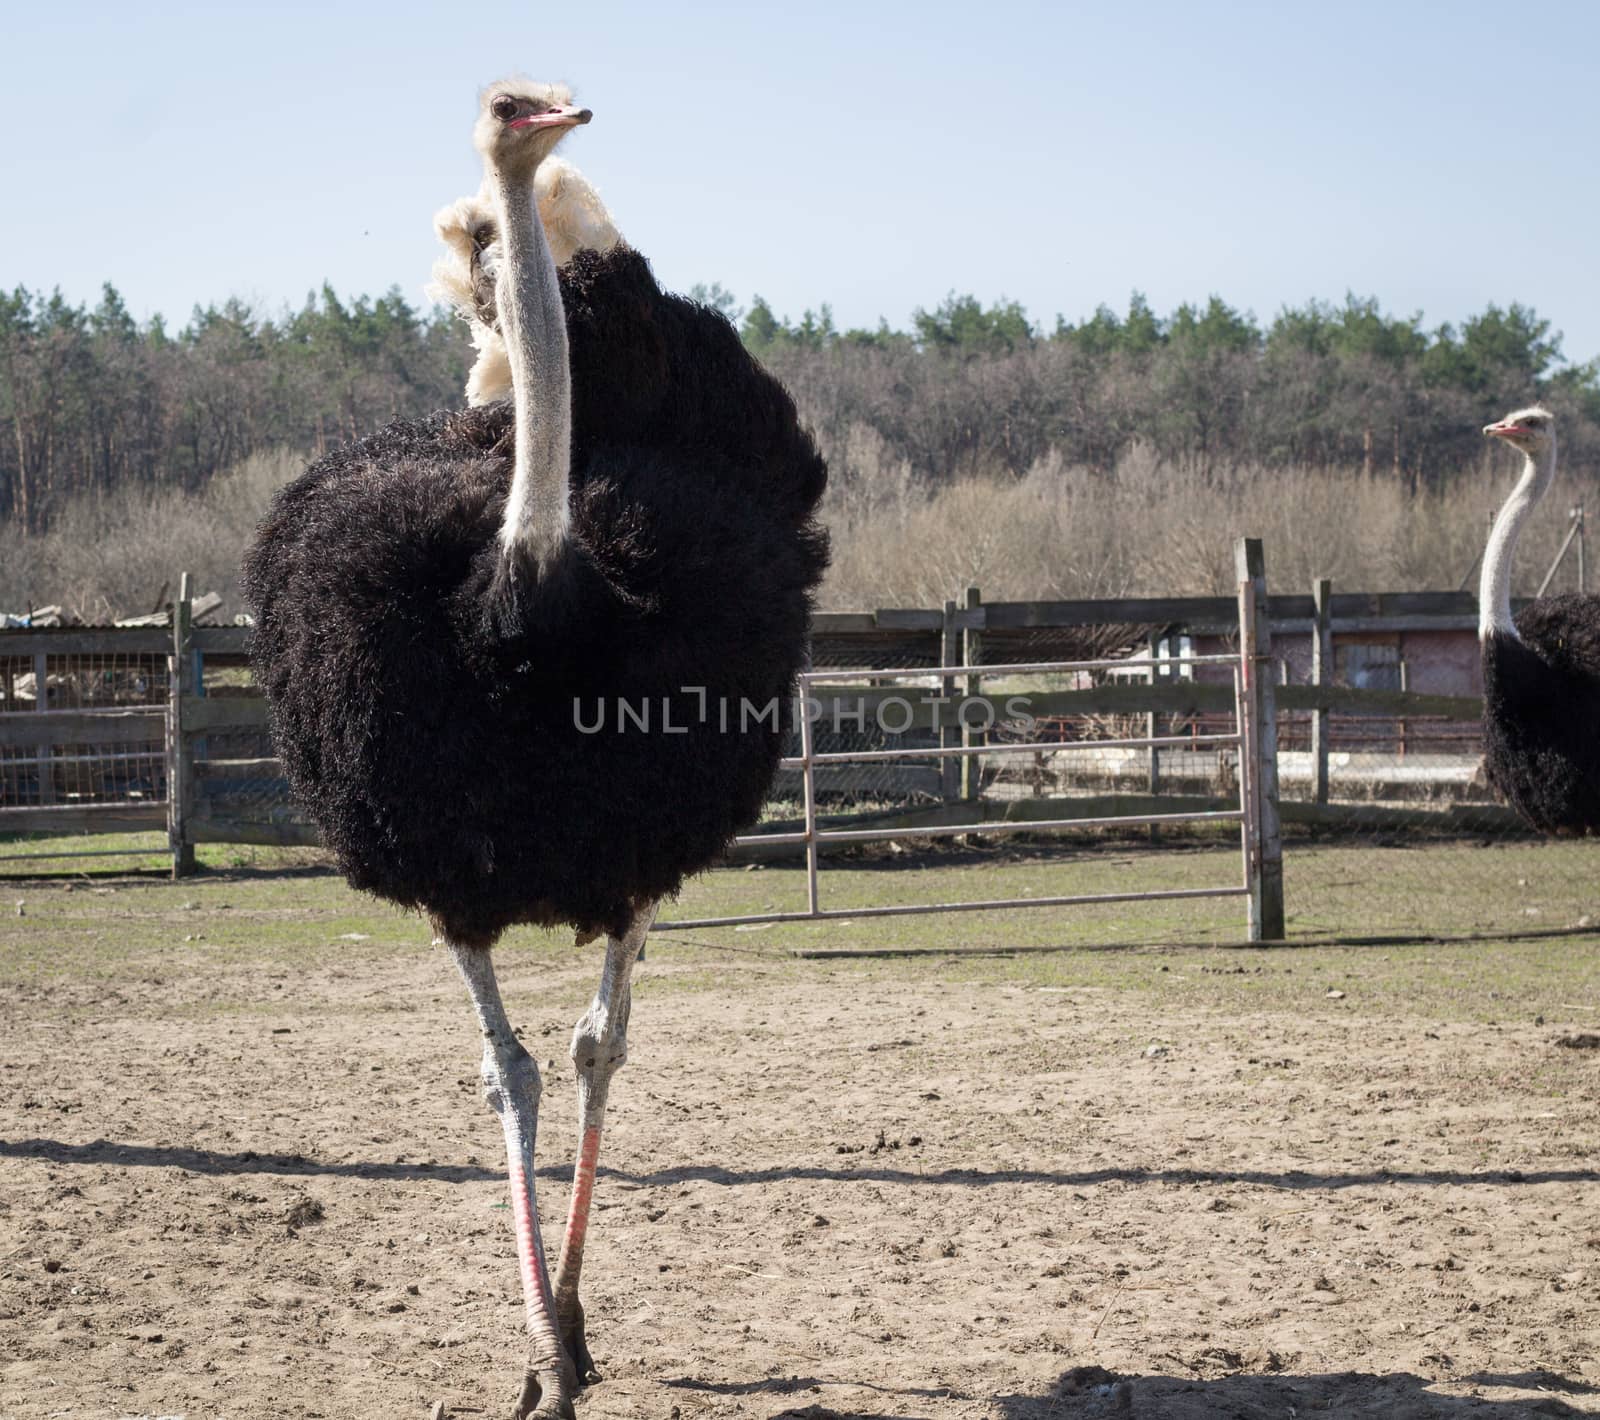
x=211 y=792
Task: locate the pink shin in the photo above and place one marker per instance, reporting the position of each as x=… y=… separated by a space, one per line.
x=530 y=1257
x=578 y=1211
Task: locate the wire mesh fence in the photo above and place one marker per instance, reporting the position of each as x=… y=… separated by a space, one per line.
x=108 y=768
x=16 y=691
x=869 y=787
x=241 y=781
x=129 y=771
x=105 y=679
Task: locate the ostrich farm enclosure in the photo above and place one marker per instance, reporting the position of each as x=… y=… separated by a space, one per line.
x=245 y=1169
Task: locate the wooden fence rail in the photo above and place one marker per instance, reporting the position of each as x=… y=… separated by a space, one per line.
x=29 y=729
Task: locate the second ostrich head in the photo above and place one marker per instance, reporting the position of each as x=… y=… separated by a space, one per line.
x=1533 y=430
x=574 y=219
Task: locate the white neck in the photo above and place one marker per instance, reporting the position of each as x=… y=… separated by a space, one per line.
x=528 y=295
x=1494 y=590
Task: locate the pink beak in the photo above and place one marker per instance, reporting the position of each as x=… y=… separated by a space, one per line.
x=1501 y=430
x=561 y=116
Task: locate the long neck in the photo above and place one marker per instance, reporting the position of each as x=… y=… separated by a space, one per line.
x=1494 y=590
x=534 y=323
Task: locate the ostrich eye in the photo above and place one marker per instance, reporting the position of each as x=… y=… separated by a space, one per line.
x=504 y=108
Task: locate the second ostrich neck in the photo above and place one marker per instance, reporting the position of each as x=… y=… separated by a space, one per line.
x=537 y=517
x=1494 y=591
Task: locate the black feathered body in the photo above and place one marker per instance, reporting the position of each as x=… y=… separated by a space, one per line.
x=435 y=705
x=1541 y=714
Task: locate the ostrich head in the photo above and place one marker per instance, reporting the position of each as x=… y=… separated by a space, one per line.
x=570 y=210
x=520 y=123
x=1532 y=430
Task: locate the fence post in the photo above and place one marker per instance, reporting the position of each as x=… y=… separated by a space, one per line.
x=1405 y=685
x=1266 y=900
x=808 y=768
x=971 y=655
x=180 y=753
x=1322 y=673
x=1575 y=525
x=1583 y=571
x=949 y=736
x=43 y=754
x=1152 y=727
x=1249 y=759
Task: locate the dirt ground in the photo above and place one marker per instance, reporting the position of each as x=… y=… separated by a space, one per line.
x=1147 y=1183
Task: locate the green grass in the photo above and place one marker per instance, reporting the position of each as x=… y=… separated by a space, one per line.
x=97 y=921
x=33 y=856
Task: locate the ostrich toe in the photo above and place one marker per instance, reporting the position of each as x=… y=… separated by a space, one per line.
x=577 y=1349
x=541 y=1402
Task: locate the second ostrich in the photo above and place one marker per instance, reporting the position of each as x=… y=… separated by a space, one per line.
x=1541 y=667
x=574 y=219
x=443 y=608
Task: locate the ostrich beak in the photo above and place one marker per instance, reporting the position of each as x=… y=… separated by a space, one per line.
x=560 y=116
x=1501 y=430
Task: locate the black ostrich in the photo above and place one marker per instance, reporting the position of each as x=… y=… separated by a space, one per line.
x=1541 y=669
x=447 y=609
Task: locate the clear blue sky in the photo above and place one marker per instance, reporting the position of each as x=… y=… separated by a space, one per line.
x=874 y=156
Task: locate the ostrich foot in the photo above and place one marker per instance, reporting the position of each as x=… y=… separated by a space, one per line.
x=535 y=1403
x=577 y=1348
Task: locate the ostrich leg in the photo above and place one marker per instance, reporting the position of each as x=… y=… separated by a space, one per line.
x=599 y=1049
x=511 y=1087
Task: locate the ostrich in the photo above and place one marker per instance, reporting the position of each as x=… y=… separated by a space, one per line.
x=574 y=220
x=1541 y=669
x=441 y=607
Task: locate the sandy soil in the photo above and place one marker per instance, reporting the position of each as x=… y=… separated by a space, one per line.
x=251 y=1192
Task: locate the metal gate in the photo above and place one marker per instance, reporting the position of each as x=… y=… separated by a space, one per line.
x=1255 y=813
